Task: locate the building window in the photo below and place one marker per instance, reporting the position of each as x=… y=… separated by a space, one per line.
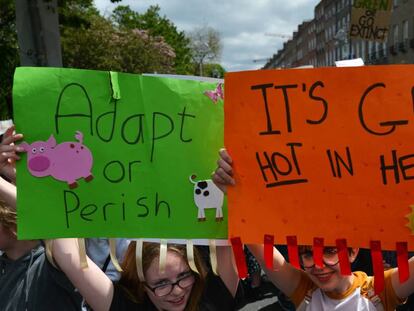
x=363 y=49
x=395 y=34
x=358 y=48
x=405 y=30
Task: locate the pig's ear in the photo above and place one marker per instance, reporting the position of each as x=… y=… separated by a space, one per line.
x=51 y=141
x=25 y=146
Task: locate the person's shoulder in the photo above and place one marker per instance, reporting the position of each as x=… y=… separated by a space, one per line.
x=366 y=283
x=41 y=291
x=360 y=275
x=33 y=258
x=363 y=281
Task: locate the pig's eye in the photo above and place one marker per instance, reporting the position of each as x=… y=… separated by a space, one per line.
x=42 y=149
x=34 y=150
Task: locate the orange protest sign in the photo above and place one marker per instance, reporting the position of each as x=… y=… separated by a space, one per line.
x=322 y=153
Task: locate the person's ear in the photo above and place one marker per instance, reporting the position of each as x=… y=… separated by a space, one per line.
x=13 y=230
x=353 y=253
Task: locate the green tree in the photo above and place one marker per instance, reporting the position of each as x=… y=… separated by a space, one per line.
x=213 y=70
x=157 y=26
x=75 y=13
x=9 y=51
x=90 y=45
x=88 y=40
x=102 y=46
x=9 y=55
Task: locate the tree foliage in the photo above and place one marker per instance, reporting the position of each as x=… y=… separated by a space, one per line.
x=126 y=41
x=213 y=71
x=89 y=40
x=75 y=13
x=157 y=25
x=102 y=46
x=9 y=51
x=9 y=55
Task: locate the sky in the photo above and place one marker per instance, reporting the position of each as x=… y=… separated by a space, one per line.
x=244 y=25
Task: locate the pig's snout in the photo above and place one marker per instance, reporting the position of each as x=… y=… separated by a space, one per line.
x=39 y=164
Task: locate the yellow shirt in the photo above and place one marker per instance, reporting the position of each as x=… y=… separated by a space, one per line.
x=359 y=297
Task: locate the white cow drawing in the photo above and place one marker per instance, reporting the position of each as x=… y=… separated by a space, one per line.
x=207 y=195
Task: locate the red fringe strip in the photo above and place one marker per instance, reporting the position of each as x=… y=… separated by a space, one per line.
x=318 y=246
x=343 y=256
x=239 y=257
x=269 y=241
x=293 y=251
x=378 y=266
x=402 y=260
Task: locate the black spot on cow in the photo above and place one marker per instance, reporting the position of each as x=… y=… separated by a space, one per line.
x=206 y=193
x=197 y=191
x=202 y=184
x=72 y=145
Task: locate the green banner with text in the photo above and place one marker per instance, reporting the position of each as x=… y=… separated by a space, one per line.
x=117 y=155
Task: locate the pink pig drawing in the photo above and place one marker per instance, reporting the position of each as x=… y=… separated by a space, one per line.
x=67 y=161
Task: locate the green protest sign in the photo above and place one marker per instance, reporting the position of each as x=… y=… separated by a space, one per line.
x=370 y=20
x=117 y=155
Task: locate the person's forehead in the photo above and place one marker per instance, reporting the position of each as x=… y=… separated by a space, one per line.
x=175 y=265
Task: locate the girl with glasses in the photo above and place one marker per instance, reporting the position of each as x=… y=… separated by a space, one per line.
x=178 y=288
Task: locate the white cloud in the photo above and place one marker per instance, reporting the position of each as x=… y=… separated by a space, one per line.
x=241 y=23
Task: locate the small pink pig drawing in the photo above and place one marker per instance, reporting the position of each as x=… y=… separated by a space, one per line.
x=67 y=161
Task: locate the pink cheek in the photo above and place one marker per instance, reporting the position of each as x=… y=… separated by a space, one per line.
x=39 y=164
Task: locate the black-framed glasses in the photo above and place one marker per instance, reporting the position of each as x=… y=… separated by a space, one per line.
x=330 y=258
x=166 y=288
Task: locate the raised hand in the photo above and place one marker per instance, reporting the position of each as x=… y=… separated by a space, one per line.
x=223 y=175
x=8 y=153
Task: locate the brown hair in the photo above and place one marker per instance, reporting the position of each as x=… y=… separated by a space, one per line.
x=7 y=217
x=135 y=287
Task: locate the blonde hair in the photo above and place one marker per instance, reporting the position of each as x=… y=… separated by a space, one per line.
x=7 y=216
x=135 y=287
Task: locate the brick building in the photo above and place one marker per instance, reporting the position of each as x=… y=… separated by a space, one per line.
x=401 y=37
x=324 y=39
